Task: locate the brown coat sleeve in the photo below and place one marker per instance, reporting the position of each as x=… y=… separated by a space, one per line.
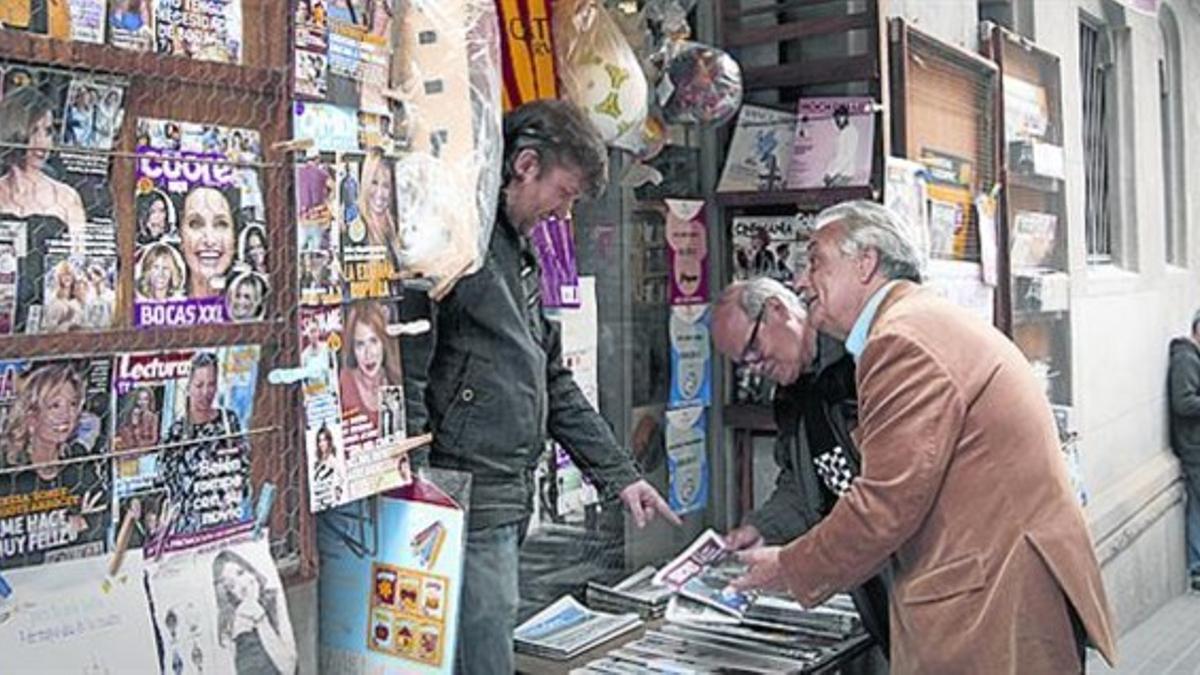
x=911 y=414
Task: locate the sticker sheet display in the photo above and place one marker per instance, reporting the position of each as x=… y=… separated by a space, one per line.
x=691 y=356
x=687 y=251
x=63 y=620
x=393 y=608
x=222 y=609
x=202 y=255
x=687 y=461
x=57 y=235
x=190 y=410
x=353 y=402
x=54 y=459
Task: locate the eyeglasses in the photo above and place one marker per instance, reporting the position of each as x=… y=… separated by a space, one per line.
x=751 y=354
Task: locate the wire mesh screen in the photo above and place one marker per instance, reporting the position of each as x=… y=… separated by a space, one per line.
x=146 y=282
x=951 y=129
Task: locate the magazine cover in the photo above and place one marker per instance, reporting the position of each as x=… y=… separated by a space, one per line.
x=54 y=112
x=131 y=24
x=319 y=237
x=703 y=572
x=206 y=31
x=353 y=401
x=202 y=252
x=771 y=246
x=1033 y=239
x=949 y=204
x=366 y=216
x=54 y=459
x=554 y=240
x=87 y=20
x=190 y=411
x=310 y=23
x=222 y=609
x=760 y=151
x=835 y=142
x=359 y=52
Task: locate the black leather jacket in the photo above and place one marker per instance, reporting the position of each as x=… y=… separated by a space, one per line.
x=813 y=415
x=497 y=389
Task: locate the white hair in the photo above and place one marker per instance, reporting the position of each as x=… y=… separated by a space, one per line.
x=756 y=292
x=901 y=246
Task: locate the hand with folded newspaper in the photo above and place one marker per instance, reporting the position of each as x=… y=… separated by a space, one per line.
x=745 y=537
x=764 y=573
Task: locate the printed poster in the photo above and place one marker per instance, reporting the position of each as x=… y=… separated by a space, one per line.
x=687 y=251
x=687 y=461
x=949 y=204
x=191 y=411
x=771 y=246
x=54 y=464
x=68 y=213
x=210 y=30
x=202 y=247
x=905 y=192
x=760 y=152
x=222 y=609
x=60 y=619
x=353 y=401
x=691 y=357
x=131 y=24
x=392 y=607
x=835 y=142
x=359 y=53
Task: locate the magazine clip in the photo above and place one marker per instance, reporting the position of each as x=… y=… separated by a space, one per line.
x=418 y=327
x=295 y=145
x=294 y=375
x=122 y=545
x=262 y=510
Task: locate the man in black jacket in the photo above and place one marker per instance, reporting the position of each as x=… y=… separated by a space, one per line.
x=762 y=324
x=1184 y=394
x=497 y=386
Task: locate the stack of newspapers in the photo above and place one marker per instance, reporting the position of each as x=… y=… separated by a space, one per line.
x=635 y=593
x=567 y=628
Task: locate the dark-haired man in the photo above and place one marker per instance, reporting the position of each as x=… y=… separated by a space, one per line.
x=497 y=386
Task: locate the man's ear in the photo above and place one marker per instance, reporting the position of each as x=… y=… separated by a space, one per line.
x=526 y=164
x=867 y=264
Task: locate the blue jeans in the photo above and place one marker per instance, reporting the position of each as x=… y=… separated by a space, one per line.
x=490 y=599
x=1191 y=479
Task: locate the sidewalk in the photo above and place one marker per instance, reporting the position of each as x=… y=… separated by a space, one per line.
x=1168 y=643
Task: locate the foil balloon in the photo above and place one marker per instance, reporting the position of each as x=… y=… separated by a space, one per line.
x=699 y=85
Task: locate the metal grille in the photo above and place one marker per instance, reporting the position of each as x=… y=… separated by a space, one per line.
x=106 y=99
x=1097 y=106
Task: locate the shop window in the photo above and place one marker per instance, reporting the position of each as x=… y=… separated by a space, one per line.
x=1170 y=101
x=1099 y=111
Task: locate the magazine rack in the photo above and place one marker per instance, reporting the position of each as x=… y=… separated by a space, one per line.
x=819 y=48
x=1033 y=214
x=255 y=95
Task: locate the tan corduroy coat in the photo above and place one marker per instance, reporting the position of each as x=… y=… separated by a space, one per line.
x=964 y=487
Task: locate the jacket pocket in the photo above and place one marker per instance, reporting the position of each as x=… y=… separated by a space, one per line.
x=959 y=576
x=457 y=415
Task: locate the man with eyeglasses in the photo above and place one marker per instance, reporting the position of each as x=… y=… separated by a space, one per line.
x=761 y=324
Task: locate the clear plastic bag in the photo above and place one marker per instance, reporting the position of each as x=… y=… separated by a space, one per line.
x=698 y=84
x=447 y=67
x=599 y=71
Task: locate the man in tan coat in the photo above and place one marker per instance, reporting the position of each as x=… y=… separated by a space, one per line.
x=962 y=487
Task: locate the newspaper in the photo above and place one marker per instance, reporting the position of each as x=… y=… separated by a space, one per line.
x=567 y=628
x=703 y=573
